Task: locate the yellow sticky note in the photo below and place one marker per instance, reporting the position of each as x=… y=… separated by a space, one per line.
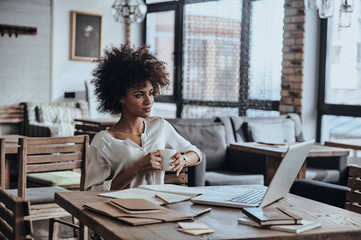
x=192 y=225
x=196 y=231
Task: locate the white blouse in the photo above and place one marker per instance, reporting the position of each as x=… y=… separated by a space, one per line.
x=108 y=156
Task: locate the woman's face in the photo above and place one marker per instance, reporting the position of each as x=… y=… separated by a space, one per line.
x=138 y=101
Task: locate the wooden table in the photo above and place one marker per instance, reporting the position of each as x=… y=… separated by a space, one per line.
x=11 y=150
x=92 y=126
x=345 y=143
x=101 y=122
x=337 y=223
x=354 y=144
x=275 y=155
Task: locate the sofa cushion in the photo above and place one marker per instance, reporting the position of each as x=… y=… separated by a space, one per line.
x=223 y=177
x=237 y=123
x=298 y=126
x=324 y=175
x=274 y=131
x=39 y=195
x=210 y=139
x=58 y=178
x=230 y=138
x=61 y=129
x=57 y=114
x=46 y=114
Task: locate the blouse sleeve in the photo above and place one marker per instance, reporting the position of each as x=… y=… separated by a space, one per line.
x=97 y=171
x=175 y=141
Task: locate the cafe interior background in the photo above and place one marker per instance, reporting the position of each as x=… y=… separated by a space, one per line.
x=227 y=57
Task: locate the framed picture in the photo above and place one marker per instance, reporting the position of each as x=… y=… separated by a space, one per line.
x=85 y=36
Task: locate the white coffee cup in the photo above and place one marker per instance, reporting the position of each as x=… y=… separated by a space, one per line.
x=167 y=155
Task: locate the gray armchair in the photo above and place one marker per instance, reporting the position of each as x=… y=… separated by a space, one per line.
x=212 y=137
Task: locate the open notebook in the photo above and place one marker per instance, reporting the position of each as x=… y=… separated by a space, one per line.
x=258 y=195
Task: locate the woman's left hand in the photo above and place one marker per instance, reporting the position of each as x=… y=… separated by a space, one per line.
x=178 y=163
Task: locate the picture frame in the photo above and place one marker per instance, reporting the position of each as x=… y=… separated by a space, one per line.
x=85 y=36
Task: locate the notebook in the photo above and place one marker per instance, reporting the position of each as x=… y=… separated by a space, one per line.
x=231 y=196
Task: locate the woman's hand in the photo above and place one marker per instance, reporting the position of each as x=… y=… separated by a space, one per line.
x=179 y=162
x=151 y=161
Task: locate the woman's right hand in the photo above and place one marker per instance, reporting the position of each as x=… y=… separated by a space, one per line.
x=151 y=161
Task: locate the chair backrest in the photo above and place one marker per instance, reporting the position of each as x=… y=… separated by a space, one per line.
x=13 y=211
x=12 y=114
x=181 y=179
x=92 y=127
x=91 y=130
x=13 y=117
x=47 y=154
x=353 y=197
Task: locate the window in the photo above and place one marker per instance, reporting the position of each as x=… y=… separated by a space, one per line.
x=227 y=54
x=160 y=36
x=340 y=78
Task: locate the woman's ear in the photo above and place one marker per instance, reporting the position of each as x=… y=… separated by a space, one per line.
x=121 y=100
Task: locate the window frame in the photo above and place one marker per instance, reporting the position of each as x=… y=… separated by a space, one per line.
x=243 y=102
x=324 y=108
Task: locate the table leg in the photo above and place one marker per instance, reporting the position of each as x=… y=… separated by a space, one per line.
x=7 y=172
x=273 y=164
x=83 y=231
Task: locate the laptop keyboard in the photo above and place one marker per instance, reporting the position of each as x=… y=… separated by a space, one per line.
x=249 y=197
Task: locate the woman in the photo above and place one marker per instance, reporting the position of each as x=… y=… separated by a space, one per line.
x=127 y=154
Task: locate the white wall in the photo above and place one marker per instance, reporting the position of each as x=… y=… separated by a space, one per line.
x=70 y=75
x=310 y=74
x=25 y=60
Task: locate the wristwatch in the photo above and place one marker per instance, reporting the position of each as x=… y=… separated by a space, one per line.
x=185 y=159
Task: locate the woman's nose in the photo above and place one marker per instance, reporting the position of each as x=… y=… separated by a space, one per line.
x=148 y=99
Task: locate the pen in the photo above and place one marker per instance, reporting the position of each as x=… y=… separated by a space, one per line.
x=162 y=199
x=201 y=212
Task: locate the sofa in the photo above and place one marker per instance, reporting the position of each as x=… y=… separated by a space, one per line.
x=222 y=165
x=213 y=137
x=53 y=119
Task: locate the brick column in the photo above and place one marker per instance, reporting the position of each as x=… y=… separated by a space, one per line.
x=292 y=64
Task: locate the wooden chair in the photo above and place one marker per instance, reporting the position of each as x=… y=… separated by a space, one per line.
x=91 y=130
x=182 y=179
x=353 y=197
x=12 y=114
x=13 y=213
x=48 y=154
x=92 y=126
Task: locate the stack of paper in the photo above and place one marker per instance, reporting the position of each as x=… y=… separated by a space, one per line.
x=194 y=228
x=295 y=228
x=169 y=192
x=272 y=216
x=136 y=211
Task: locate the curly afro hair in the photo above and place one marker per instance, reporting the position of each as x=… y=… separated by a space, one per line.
x=123 y=68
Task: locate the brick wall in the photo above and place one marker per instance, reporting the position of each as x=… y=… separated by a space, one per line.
x=292 y=64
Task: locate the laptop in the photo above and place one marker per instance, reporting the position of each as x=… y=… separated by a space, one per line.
x=239 y=196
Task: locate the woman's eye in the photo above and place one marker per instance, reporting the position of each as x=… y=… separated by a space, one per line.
x=138 y=95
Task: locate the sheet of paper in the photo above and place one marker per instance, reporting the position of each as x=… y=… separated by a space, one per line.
x=146 y=194
x=176 y=189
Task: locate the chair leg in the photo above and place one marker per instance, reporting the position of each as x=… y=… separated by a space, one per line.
x=53 y=229
x=54 y=225
x=83 y=231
